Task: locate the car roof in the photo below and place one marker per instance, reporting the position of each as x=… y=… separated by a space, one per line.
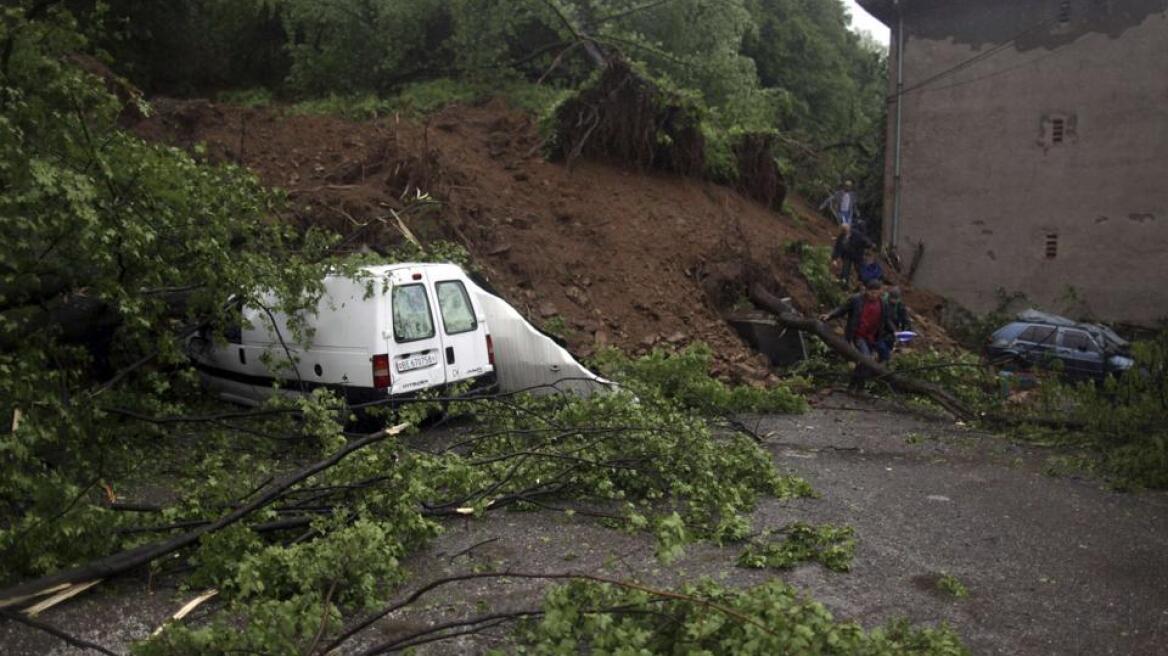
x=1105 y=335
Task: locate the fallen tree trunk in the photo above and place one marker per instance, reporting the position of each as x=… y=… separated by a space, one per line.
x=790 y=319
x=131 y=558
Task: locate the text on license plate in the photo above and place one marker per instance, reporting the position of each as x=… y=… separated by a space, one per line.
x=417 y=362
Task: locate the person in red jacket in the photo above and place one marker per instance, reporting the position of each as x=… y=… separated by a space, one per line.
x=868 y=328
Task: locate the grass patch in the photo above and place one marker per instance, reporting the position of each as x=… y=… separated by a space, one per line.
x=254 y=97
x=424 y=98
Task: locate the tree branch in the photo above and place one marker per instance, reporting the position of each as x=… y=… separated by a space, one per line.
x=131 y=558
x=437 y=583
x=770 y=302
x=580 y=37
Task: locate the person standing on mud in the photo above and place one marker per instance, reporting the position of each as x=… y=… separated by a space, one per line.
x=868 y=328
x=844 y=204
x=849 y=248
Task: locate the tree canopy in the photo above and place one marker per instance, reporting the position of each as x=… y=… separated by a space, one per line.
x=787 y=65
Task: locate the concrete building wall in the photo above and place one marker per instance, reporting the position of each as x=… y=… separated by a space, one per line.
x=997 y=203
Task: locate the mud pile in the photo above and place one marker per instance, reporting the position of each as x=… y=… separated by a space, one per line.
x=598 y=254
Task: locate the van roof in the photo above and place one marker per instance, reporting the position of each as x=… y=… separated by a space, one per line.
x=386 y=268
x=383 y=269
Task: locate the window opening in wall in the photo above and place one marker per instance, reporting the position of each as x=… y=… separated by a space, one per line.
x=1064 y=14
x=1058 y=130
x=1051 y=246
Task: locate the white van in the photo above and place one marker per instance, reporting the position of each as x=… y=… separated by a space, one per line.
x=396 y=329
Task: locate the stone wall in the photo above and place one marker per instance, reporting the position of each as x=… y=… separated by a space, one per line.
x=1035 y=152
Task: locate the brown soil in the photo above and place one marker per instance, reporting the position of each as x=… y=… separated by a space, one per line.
x=629 y=258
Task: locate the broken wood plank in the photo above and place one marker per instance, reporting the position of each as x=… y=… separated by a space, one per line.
x=187 y=609
x=17 y=601
x=68 y=593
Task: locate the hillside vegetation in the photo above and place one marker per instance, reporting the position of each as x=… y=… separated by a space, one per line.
x=789 y=67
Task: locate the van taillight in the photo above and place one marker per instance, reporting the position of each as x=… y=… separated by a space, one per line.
x=490 y=351
x=381 y=379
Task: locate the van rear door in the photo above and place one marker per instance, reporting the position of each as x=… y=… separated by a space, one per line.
x=464 y=336
x=414 y=340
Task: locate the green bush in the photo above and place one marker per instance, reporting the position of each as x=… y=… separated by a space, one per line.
x=815 y=265
x=721 y=162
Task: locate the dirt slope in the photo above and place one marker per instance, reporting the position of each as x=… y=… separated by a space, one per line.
x=620 y=256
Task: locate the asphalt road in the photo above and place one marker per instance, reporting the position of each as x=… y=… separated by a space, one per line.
x=1053 y=565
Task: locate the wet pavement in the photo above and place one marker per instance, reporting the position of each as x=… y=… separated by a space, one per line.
x=1052 y=565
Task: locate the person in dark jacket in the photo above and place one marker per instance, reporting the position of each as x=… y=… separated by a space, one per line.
x=849 y=248
x=868 y=328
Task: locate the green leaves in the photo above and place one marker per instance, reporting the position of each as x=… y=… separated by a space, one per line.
x=772 y=618
x=1122 y=417
x=112 y=250
x=832 y=546
x=815 y=265
x=683 y=379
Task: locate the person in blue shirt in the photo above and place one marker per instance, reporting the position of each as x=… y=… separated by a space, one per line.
x=870 y=269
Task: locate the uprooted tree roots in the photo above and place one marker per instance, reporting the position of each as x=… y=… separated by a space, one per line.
x=627 y=117
x=758 y=174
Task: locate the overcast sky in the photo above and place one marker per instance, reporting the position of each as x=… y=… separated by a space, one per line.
x=863 y=22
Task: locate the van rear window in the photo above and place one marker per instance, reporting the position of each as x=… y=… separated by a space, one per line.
x=454 y=304
x=412 y=317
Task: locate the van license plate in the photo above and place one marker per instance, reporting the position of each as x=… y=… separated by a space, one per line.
x=417 y=362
